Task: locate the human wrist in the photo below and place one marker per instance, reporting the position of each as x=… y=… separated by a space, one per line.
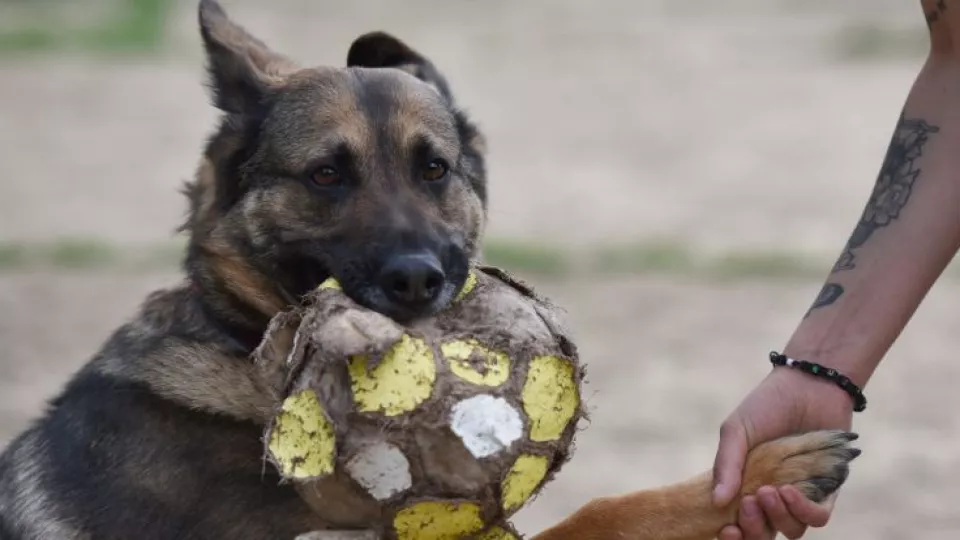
x=854 y=365
x=829 y=405
x=824 y=373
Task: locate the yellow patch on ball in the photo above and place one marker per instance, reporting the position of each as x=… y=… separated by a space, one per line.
x=550 y=397
x=303 y=441
x=468 y=286
x=438 y=520
x=399 y=383
x=330 y=283
x=522 y=481
x=493 y=369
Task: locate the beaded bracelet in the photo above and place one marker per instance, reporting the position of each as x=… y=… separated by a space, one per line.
x=845 y=384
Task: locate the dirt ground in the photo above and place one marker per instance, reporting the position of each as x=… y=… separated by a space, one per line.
x=721 y=125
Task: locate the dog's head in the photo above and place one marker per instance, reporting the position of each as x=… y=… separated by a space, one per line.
x=367 y=173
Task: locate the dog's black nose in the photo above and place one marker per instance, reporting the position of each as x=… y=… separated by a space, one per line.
x=412 y=280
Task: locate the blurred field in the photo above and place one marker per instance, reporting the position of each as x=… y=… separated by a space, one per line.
x=692 y=167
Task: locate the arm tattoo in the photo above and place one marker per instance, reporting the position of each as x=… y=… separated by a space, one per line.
x=890 y=195
x=934 y=15
x=894 y=185
x=828 y=295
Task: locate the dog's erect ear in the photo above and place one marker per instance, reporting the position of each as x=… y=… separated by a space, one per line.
x=381 y=50
x=241 y=67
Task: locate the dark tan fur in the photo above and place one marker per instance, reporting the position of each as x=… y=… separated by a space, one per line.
x=817 y=463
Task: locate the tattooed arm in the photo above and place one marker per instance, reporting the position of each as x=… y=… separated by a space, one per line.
x=910 y=227
x=908 y=232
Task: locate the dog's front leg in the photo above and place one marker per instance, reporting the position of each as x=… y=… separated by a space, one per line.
x=817 y=463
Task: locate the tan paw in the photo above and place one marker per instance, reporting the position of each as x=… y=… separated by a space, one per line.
x=817 y=463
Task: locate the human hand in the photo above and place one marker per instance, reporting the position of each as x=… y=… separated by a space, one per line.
x=786 y=402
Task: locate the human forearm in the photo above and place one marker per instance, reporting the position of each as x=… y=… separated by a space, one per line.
x=909 y=231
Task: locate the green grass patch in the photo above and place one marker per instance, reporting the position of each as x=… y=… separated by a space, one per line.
x=527 y=257
x=870 y=41
x=163 y=256
x=522 y=258
x=765 y=265
x=12 y=255
x=79 y=253
x=85 y=253
x=653 y=257
x=121 y=26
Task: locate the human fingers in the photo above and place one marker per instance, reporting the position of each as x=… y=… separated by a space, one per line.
x=752 y=522
x=729 y=461
x=805 y=510
x=778 y=515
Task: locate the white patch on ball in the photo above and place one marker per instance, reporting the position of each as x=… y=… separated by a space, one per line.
x=382 y=469
x=486 y=424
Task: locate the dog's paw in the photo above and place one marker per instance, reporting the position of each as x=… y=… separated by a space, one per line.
x=817 y=463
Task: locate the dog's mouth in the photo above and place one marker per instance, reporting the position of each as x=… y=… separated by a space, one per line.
x=363 y=283
x=303 y=275
x=375 y=298
x=411 y=284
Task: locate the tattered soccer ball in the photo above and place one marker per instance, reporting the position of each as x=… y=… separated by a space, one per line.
x=440 y=429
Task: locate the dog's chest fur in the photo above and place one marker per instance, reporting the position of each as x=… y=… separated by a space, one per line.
x=113 y=453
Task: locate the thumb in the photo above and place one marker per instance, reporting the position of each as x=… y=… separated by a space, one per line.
x=729 y=462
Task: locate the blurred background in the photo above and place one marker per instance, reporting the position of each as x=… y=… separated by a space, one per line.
x=679 y=175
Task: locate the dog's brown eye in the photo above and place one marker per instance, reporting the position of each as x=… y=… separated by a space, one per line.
x=326 y=176
x=435 y=170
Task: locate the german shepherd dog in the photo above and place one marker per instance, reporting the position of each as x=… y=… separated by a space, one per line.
x=368 y=173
